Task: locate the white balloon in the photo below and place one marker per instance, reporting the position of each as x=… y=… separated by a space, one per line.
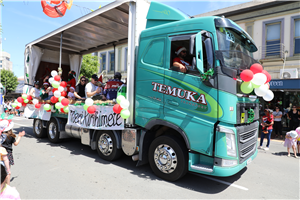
x=268 y=96
x=66 y=89
x=51 y=80
x=35 y=101
x=124 y=103
x=57 y=94
x=59 y=105
x=259 y=79
x=53 y=73
x=60 y=88
x=19 y=104
x=89 y=101
x=261 y=91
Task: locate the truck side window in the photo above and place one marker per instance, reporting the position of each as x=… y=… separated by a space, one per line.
x=155 y=53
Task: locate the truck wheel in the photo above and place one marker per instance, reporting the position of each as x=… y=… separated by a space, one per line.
x=38 y=129
x=107 y=146
x=168 y=158
x=52 y=131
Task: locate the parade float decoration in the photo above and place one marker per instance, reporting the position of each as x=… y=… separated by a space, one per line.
x=56 y=9
x=122 y=107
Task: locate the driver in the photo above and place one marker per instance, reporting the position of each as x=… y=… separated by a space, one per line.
x=179 y=61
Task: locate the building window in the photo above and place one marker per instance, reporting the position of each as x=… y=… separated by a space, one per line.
x=125 y=60
x=103 y=61
x=7 y=58
x=273 y=39
x=0 y=61
x=297 y=36
x=0 y=66
x=111 y=65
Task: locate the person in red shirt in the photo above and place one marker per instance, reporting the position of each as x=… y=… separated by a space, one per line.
x=71 y=80
x=179 y=62
x=267 y=126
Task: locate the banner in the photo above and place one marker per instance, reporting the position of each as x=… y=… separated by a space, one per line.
x=32 y=112
x=103 y=119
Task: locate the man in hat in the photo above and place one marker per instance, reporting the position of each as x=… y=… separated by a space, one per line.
x=112 y=86
x=44 y=91
x=179 y=62
x=91 y=88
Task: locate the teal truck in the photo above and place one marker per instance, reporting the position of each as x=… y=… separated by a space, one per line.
x=197 y=120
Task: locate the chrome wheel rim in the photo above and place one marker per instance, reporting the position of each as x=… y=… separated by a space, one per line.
x=52 y=130
x=105 y=144
x=37 y=126
x=165 y=158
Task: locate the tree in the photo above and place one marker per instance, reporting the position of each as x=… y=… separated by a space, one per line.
x=9 y=80
x=89 y=66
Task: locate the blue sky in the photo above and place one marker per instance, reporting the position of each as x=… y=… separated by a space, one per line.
x=24 y=21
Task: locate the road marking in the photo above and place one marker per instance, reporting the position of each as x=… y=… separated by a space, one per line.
x=224 y=182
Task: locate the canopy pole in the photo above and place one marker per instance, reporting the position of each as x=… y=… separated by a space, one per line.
x=60 y=54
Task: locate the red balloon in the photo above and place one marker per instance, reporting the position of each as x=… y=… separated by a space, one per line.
x=54 y=99
x=65 y=102
x=62 y=110
x=63 y=84
x=24 y=104
x=20 y=100
x=17 y=107
x=38 y=105
x=246 y=75
x=48 y=110
x=29 y=97
x=117 y=108
x=63 y=93
x=57 y=78
x=91 y=109
x=54 y=89
x=267 y=75
x=256 y=68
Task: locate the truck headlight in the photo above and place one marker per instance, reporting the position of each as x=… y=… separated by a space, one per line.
x=230 y=140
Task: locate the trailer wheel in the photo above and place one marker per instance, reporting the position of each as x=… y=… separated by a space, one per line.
x=38 y=129
x=168 y=158
x=52 y=131
x=107 y=146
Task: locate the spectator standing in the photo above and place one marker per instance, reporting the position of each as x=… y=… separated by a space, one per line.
x=3 y=155
x=277 y=122
x=112 y=86
x=294 y=118
x=291 y=142
x=267 y=121
x=80 y=89
x=7 y=192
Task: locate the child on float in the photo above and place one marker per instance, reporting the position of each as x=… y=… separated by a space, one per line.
x=291 y=142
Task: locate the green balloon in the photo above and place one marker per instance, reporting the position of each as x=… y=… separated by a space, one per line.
x=24 y=96
x=120 y=98
x=60 y=98
x=255 y=86
x=66 y=109
x=14 y=105
x=125 y=113
x=55 y=84
x=26 y=101
x=246 y=87
x=47 y=107
x=57 y=106
x=85 y=107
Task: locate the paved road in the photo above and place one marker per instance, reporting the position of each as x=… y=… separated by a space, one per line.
x=70 y=170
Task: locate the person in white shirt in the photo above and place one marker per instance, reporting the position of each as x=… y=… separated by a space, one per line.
x=91 y=88
x=71 y=93
x=277 y=128
x=35 y=92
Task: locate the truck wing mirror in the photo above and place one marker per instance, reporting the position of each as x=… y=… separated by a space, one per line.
x=192 y=45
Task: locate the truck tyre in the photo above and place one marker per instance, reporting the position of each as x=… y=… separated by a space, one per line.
x=107 y=146
x=52 y=131
x=38 y=129
x=168 y=158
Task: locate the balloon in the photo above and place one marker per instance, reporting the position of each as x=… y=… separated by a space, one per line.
x=246 y=75
x=66 y=89
x=246 y=87
x=17 y=107
x=63 y=84
x=63 y=93
x=117 y=108
x=261 y=91
x=24 y=96
x=24 y=104
x=62 y=110
x=60 y=98
x=48 y=110
x=20 y=99
x=47 y=107
x=54 y=99
x=85 y=107
x=57 y=78
x=91 y=109
x=267 y=75
x=53 y=73
x=256 y=68
x=60 y=88
x=35 y=101
x=125 y=113
x=120 y=98
x=54 y=89
x=89 y=101
x=124 y=103
x=58 y=106
x=57 y=93
x=66 y=109
x=255 y=86
x=14 y=105
x=55 y=84
x=29 y=97
x=51 y=80
x=26 y=101
x=268 y=96
x=259 y=79
x=65 y=102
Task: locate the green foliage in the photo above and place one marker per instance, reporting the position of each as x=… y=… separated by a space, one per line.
x=1 y=3
x=90 y=65
x=10 y=79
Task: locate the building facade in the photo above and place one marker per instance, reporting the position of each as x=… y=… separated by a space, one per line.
x=275 y=28
x=5 y=62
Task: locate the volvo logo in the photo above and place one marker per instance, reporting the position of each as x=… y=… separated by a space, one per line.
x=276 y=83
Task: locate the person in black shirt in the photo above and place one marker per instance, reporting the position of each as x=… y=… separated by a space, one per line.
x=294 y=118
x=80 y=89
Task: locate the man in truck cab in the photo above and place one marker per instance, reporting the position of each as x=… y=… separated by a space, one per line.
x=112 y=86
x=179 y=63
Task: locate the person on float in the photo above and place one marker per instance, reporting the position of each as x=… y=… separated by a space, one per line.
x=179 y=62
x=71 y=80
x=92 y=89
x=35 y=91
x=44 y=93
x=112 y=86
x=80 y=89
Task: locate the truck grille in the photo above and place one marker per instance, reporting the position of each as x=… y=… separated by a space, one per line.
x=247 y=140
